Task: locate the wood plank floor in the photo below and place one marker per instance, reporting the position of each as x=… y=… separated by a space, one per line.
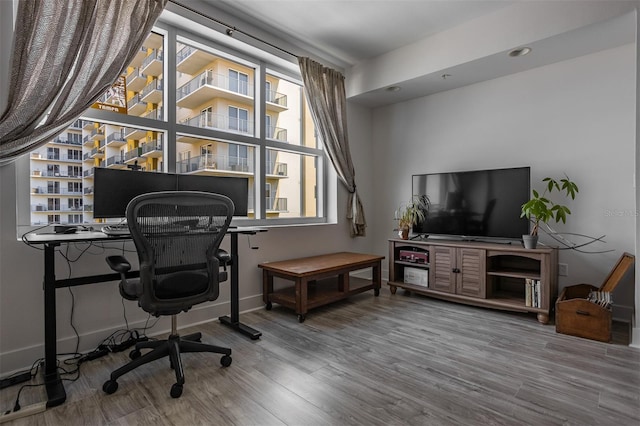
x=392 y=360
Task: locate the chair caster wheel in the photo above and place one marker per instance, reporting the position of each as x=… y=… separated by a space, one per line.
x=225 y=361
x=110 y=386
x=135 y=354
x=176 y=390
x=268 y=306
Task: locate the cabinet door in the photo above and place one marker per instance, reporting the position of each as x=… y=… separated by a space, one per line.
x=471 y=268
x=441 y=273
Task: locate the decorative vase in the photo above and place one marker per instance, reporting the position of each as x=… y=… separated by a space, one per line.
x=530 y=241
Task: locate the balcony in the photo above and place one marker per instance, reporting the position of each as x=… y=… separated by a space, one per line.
x=277 y=133
x=135 y=105
x=64 y=141
x=43 y=190
x=89 y=172
x=152 y=149
x=116 y=162
x=276 y=102
x=87 y=157
x=152 y=64
x=152 y=93
x=133 y=155
x=208 y=85
x=277 y=170
x=87 y=141
x=221 y=122
x=154 y=114
x=276 y=204
x=87 y=208
x=62 y=157
x=88 y=125
x=189 y=60
x=136 y=80
x=116 y=139
x=88 y=190
x=216 y=164
x=134 y=133
x=97 y=153
x=43 y=208
x=139 y=57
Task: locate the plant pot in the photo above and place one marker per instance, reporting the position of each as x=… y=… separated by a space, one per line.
x=530 y=241
x=404 y=233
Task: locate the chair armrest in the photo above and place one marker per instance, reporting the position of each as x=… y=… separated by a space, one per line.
x=224 y=257
x=118 y=263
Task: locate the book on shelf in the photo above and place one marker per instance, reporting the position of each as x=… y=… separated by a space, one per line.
x=532 y=293
x=528 y=284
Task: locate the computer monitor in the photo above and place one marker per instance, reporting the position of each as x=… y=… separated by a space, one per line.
x=114 y=188
x=236 y=188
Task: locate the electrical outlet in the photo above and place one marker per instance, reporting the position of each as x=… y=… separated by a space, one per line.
x=563 y=269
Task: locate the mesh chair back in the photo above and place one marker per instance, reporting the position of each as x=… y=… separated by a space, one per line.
x=177 y=235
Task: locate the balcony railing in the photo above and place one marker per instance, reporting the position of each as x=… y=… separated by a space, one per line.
x=215 y=162
x=114 y=160
x=116 y=137
x=184 y=53
x=277 y=168
x=43 y=208
x=66 y=141
x=154 y=85
x=88 y=190
x=134 y=153
x=219 y=121
x=153 y=145
x=155 y=55
x=276 y=98
x=58 y=191
x=277 y=133
x=154 y=114
x=45 y=173
x=220 y=81
x=277 y=204
x=89 y=172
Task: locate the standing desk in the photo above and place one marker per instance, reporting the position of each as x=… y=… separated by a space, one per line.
x=56 y=393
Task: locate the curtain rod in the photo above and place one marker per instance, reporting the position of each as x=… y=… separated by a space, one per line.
x=231 y=29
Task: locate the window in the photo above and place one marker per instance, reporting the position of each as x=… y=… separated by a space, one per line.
x=213 y=130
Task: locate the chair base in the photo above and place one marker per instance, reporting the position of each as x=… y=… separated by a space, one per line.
x=172 y=347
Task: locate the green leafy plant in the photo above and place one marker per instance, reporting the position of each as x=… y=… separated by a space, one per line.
x=540 y=209
x=412 y=212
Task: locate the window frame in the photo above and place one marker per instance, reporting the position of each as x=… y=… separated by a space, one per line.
x=178 y=26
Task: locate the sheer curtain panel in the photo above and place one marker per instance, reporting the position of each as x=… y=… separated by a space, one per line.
x=66 y=53
x=327 y=99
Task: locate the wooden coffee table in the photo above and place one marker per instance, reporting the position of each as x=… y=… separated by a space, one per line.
x=319 y=280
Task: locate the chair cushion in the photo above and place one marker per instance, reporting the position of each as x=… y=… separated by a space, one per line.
x=181 y=284
x=131 y=289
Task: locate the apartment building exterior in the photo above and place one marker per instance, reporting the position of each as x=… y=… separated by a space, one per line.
x=212 y=92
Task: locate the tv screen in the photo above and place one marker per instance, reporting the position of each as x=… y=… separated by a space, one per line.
x=114 y=188
x=480 y=203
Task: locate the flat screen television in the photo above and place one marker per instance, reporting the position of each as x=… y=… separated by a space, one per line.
x=114 y=188
x=471 y=204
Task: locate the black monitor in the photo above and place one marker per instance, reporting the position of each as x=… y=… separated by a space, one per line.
x=236 y=188
x=114 y=188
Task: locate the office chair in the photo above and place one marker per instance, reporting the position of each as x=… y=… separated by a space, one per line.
x=177 y=235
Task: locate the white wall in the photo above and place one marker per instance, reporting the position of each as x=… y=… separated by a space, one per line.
x=575 y=117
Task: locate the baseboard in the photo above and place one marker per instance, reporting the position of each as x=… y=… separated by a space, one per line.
x=22 y=358
x=635 y=338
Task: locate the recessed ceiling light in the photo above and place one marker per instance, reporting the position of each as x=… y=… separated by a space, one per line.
x=520 y=52
x=393 y=88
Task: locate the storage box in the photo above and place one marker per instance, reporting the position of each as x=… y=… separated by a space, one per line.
x=416 y=276
x=414 y=256
x=577 y=316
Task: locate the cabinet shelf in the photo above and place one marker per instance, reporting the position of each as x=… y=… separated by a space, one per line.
x=480 y=274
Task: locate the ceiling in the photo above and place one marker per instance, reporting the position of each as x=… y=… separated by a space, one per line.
x=347 y=32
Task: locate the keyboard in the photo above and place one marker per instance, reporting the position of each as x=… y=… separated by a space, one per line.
x=116 y=229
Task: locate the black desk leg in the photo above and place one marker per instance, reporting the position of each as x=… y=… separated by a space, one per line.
x=56 y=394
x=234 y=320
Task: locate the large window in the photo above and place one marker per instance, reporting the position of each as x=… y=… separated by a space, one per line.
x=217 y=112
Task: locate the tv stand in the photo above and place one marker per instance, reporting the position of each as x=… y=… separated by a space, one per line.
x=499 y=275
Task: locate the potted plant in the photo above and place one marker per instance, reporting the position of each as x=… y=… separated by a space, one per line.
x=540 y=209
x=410 y=213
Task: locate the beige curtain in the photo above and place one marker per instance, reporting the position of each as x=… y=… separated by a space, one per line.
x=66 y=53
x=327 y=99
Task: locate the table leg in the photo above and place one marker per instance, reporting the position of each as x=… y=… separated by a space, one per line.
x=234 y=320
x=377 y=278
x=56 y=394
